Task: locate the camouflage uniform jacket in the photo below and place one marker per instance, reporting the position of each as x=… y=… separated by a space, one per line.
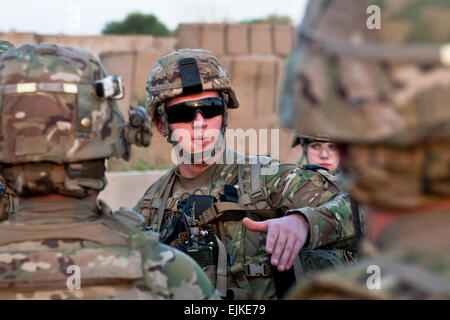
x=274 y=186
x=411 y=256
x=116 y=261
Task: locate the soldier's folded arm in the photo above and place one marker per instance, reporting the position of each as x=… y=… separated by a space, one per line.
x=331 y=225
x=316 y=214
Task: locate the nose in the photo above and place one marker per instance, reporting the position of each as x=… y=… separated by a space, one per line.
x=199 y=121
x=324 y=153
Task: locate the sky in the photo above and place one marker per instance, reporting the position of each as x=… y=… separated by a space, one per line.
x=88 y=17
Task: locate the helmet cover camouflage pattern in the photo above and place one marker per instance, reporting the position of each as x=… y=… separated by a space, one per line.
x=5 y=46
x=356 y=84
x=49 y=110
x=165 y=82
x=299 y=138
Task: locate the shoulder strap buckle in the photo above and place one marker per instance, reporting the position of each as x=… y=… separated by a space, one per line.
x=257 y=270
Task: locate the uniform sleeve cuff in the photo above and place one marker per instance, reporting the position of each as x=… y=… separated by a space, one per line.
x=313 y=240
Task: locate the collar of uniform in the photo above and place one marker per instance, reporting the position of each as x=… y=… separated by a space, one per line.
x=426 y=231
x=55 y=211
x=199 y=181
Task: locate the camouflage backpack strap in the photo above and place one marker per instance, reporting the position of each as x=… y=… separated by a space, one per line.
x=153 y=204
x=252 y=184
x=253 y=202
x=129 y=217
x=105 y=231
x=219 y=210
x=221 y=273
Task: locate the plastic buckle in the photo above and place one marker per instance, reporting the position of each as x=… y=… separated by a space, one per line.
x=171 y=203
x=147 y=202
x=255 y=270
x=257 y=196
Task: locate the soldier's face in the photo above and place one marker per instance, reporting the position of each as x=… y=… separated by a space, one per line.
x=324 y=154
x=203 y=133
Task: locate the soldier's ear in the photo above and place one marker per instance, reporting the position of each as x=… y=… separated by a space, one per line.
x=160 y=125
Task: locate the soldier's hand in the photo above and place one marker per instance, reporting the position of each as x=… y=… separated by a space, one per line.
x=285 y=237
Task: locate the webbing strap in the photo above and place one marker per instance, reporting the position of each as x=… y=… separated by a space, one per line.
x=255 y=181
x=221 y=283
x=167 y=188
x=218 y=209
x=32 y=87
x=99 y=231
x=298 y=269
x=84 y=103
x=237 y=270
x=251 y=188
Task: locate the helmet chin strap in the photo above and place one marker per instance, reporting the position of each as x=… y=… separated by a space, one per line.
x=167 y=132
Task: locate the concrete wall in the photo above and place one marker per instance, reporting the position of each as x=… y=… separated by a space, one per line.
x=238 y=39
x=124 y=189
x=95 y=44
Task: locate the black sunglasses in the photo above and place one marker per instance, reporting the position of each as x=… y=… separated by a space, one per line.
x=186 y=111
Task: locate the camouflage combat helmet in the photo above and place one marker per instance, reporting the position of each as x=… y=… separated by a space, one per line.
x=303 y=139
x=383 y=92
x=58 y=108
x=187 y=71
x=5 y=46
x=165 y=80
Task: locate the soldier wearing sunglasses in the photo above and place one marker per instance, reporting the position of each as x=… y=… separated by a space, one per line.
x=243 y=222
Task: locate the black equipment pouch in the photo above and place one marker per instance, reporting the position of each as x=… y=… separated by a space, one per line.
x=230 y=194
x=200 y=245
x=197 y=204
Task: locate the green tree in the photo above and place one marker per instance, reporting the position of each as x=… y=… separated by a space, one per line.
x=137 y=23
x=273 y=18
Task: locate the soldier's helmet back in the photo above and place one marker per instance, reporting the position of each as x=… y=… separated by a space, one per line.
x=187 y=71
x=5 y=46
x=57 y=106
x=356 y=83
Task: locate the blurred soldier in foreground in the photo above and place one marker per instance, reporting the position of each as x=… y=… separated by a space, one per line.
x=203 y=207
x=383 y=95
x=8 y=200
x=59 y=122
